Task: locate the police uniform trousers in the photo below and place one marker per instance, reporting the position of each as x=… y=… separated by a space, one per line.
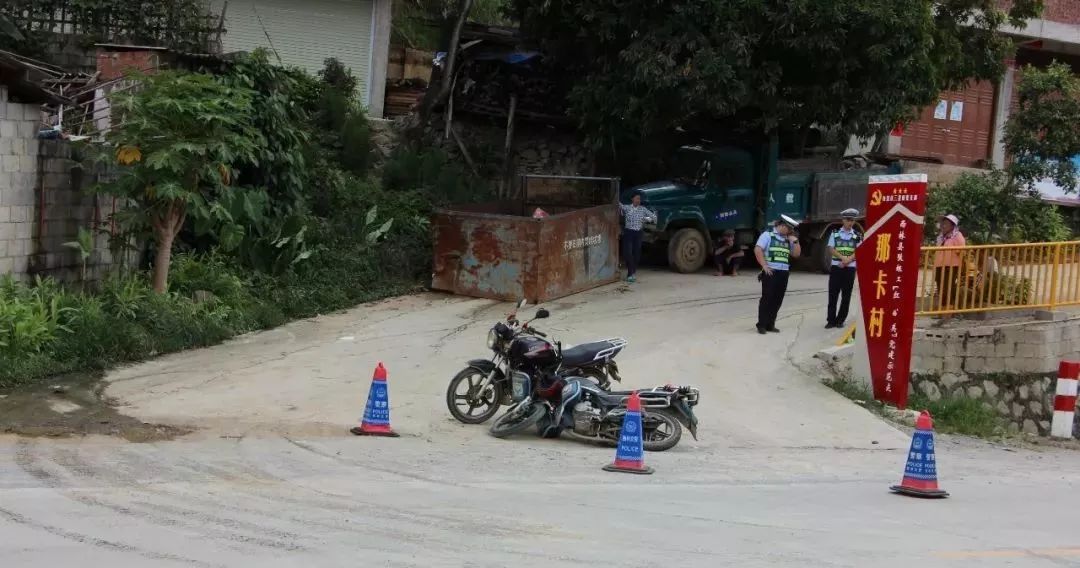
x=773 y=288
x=841 y=281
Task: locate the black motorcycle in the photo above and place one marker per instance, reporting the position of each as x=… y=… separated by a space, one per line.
x=585 y=413
x=476 y=393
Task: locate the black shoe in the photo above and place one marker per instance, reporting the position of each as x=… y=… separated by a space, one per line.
x=831 y=326
x=761 y=330
x=773 y=330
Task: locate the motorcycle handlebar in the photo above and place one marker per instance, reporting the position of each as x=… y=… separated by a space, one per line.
x=537 y=332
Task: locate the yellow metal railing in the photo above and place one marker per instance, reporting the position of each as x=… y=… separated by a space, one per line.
x=956 y=280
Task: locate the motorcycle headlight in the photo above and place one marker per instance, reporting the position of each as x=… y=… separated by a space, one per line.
x=492 y=339
x=519 y=386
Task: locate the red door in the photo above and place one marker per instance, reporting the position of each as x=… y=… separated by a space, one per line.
x=957 y=129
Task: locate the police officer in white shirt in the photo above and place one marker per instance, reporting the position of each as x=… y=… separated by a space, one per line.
x=774 y=250
x=842 y=245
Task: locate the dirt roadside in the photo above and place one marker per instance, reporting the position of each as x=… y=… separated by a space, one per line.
x=73 y=405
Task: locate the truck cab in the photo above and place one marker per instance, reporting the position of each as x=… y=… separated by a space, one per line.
x=713 y=188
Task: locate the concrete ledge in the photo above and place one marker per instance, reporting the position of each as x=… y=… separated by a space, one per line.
x=1051 y=315
x=833 y=354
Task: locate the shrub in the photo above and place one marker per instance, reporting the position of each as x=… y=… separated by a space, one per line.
x=210 y=273
x=433 y=173
x=31 y=318
x=990 y=212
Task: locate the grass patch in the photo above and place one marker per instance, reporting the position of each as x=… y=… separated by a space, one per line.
x=960 y=415
x=952 y=415
x=850 y=388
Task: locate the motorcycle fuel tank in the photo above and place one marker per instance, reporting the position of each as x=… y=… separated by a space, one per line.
x=532 y=351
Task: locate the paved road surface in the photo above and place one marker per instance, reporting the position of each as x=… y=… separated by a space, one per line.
x=786 y=472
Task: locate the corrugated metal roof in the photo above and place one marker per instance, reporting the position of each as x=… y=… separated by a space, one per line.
x=28 y=78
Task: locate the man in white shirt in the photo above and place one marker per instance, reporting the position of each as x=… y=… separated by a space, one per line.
x=774 y=250
x=842 y=245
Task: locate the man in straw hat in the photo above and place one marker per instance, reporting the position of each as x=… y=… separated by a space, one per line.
x=842 y=244
x=774 y=250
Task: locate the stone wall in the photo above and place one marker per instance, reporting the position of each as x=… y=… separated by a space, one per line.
x=42 y=201
x=1010 y=367
x=537 y=149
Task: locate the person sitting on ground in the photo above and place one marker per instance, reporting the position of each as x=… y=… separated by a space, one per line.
x=728 y=255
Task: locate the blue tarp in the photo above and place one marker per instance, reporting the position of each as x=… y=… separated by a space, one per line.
x=513 y=58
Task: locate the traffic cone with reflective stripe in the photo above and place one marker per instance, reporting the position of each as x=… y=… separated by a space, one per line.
x=630 y=455
x=376 y=420
x=920 y=473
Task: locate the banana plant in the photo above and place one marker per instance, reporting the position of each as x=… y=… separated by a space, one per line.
x=84 y=245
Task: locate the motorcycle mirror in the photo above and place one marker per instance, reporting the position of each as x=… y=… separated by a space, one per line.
x=542 y=313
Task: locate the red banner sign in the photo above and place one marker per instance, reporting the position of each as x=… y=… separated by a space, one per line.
x=888 y=271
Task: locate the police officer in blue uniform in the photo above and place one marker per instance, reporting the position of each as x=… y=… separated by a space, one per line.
x=842 y=245
x=774 y=250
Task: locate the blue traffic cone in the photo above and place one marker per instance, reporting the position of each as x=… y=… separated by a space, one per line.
x=630 y=455
x=376 y=421
x=920 y=473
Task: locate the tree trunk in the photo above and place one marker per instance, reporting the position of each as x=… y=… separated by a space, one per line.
x=436 y=95
x=166 y=227
x=162 y=260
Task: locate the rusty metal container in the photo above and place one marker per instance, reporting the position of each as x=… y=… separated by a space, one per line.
x=498 y=250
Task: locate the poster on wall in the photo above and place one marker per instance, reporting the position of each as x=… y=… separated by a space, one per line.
x=888 y=274
x=957 y=113
x=942 y=110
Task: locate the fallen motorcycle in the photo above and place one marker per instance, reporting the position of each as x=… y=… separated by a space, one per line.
x=586 y=413
x=477 y=392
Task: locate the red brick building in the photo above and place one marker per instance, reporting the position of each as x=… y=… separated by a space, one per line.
x=965 y=127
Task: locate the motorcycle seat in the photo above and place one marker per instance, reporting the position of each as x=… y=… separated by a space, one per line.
x=585 y=353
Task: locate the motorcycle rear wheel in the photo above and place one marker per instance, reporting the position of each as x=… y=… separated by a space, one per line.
x=490 y=404
x=517 y=420
x=662 y=431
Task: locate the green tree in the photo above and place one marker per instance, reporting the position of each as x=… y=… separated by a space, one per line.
x=992 y=212
x=180 y=140
x=637 y=69
x=1043 y=134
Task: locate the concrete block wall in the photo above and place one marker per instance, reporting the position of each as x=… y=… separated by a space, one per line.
x=42 y=201
x=1016 y=348
x=1009 y=367
x=18 y=181
x=66 y=208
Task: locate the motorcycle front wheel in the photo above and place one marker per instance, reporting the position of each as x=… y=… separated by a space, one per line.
x=465 y=401
x=517 y=420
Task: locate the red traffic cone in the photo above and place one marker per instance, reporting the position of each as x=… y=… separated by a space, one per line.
x=376 y=420
x=920 y=473
x=630 y=454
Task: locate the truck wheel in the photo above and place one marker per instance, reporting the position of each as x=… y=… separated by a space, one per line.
x=687 y=251
x=819 y=252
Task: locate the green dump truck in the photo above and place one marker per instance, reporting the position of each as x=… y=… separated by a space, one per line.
x=718 y=187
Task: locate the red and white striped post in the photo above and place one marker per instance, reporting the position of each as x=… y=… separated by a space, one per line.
x=1065 y=400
